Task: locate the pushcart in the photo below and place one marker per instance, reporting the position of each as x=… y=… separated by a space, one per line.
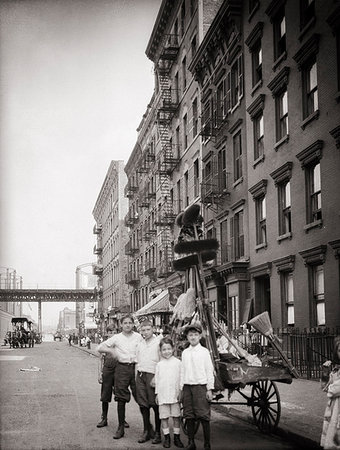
x=264 y=397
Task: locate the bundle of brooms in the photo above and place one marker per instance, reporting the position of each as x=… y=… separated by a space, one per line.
x=262 y=324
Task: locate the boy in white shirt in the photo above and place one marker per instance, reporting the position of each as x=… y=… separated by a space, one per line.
x=167 y=380
x=123 y=346
x=197 y=383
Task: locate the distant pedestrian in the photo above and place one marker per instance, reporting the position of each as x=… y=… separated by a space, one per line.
x=197 y=382
x=167 y=387
x=330 y=436
x=148 y=355
x=70 y=339
x=123 y=346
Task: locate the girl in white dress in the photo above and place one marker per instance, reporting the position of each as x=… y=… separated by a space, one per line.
x=167 y=388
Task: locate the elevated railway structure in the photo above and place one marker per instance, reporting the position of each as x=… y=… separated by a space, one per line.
x=47 y=295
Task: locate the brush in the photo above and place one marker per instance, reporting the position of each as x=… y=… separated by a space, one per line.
x=196 y=246
x=262 y=324
x=190 y=214
x=186 y=262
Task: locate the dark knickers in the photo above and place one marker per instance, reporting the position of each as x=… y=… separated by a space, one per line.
x=195 y=403
x=107 y=384
x=145 y=393
x=124 y=377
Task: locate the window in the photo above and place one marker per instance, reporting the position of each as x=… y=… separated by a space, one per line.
x=237 y=235
x=260 y=213
x=207 y=122
x=184 y=73
x=194 y=118
x=224 y=242
x=221 y=100
x=318 y=294
x=233 y=312
x=314 y=193
x=281 y=115
x=258 y=136
x=222 y=170
x=285 y=223
x=307 y=12
x=310 y=88
x=196 y=177
x=236 y=81
x=179 y=199
x=256 y=58
x=288 y=297
x=185 y=131
x=279 y=24
x=186 y=189
x=237 y=154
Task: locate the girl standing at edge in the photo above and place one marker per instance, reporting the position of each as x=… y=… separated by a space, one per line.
x=330 y=436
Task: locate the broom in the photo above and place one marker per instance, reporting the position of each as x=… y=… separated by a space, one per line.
x=262 y=324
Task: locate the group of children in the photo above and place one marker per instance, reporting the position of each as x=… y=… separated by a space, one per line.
x=158 y=380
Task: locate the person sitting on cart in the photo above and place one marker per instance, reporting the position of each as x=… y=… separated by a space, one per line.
x=197 y=383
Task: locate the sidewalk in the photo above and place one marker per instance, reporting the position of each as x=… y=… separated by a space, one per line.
x=302 y=407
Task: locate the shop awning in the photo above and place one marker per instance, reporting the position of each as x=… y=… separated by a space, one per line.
x=158 y=304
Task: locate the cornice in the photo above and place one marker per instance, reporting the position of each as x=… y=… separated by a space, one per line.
x=259 y=188
x=311 y=153
x=280 y=81
x=254 y=35
x=335 y=133
x=282 y=173
x=285 y=264
x=310 y=48
x=256 y=107
x=315 y=255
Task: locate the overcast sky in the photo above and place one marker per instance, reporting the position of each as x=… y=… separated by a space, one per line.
x=74 y=84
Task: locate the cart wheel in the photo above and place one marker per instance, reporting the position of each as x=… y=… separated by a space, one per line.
x=184 y=424
x=265 y=405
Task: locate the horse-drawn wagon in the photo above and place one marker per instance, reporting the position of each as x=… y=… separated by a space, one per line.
x=23 y=333
x=235 y=368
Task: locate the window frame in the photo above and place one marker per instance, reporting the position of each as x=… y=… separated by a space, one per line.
x=237 y=156
x=280 y=39
x=284 y=209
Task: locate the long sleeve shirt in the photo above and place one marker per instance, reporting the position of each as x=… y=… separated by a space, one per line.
x=167 y=380
x=197 y=367
x=125 y=346
x=148 y=354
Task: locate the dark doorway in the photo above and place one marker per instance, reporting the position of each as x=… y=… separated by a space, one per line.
x=262 y=294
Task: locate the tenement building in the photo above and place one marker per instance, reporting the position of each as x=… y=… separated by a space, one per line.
x=164 y=169
x=111 y=237
x=244 y=120
x=268 y=72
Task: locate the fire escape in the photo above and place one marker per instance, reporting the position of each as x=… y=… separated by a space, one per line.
x=168 y=157
x=215 y=183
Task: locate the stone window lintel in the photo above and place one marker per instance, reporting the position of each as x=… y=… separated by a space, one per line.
x=254 y=36
x=315 y=255
x=280 y=82
x=285 y=264
x=335 y=133
x=274 y=7
x=256 y=107
x=283 y=173
x=309 y=49
x=259 y=189
x=311 y=153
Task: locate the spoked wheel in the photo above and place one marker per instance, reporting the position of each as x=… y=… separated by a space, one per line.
x=265 y=405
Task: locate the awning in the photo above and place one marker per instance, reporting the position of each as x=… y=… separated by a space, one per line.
x=158 y=304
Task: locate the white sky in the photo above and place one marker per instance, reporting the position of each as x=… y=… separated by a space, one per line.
x=74 y=84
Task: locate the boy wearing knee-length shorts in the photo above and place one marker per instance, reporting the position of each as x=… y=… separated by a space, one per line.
x=197 y=382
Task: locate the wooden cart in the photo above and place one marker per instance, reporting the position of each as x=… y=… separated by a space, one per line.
x=264 y=399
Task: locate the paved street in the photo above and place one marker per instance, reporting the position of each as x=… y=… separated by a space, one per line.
x=58 y=407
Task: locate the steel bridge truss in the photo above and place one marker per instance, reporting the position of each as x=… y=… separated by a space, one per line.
x=47 y=295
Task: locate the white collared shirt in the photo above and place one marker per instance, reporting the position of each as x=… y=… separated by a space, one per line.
x=197 y=367
x=167 y=380
x=125 y=346
x=148 y=354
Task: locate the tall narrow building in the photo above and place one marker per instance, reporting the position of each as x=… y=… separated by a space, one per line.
x=111 y=237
